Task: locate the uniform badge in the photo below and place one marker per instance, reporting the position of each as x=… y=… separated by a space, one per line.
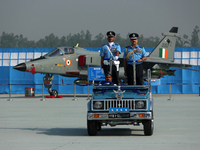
x=113 y=49
x=138 y=50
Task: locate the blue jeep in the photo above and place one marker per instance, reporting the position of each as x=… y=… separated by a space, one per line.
x=120 y=105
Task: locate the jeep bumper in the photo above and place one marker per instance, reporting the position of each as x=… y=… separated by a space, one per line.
x=120 y=116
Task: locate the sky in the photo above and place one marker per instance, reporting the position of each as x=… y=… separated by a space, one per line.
x=36 y=19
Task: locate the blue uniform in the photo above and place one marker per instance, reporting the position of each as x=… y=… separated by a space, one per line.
x=139 y=52
x=107 y=83
x=106 y=53
x=133 y=54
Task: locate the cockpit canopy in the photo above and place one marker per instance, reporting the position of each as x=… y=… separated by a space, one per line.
x=61 y=51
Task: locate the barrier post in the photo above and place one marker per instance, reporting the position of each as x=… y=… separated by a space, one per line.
x=74 y=99
x=9 y=93
x=199 y=91
x=42 y=93
x=170 y=99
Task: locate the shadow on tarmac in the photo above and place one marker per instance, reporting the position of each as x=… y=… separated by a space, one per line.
x=83 y=132
x=120 y=132
x=66 y=132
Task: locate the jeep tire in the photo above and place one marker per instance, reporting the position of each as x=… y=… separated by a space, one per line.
x=148 y=127
x=91 y=127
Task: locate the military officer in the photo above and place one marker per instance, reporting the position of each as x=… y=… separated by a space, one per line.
x=110 y=51
x=108 y=81
x=136 y=53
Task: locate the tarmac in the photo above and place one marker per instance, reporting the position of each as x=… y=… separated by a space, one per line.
x=61 y=124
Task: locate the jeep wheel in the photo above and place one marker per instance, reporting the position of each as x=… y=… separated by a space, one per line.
x=91 y=127
x=148 y=127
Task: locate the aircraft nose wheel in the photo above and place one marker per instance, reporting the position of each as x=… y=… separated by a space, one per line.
x=54 y=93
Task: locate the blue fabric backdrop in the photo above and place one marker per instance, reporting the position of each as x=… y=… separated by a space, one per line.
x=185 y=81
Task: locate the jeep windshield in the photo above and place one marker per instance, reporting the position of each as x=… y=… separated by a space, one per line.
x=109 y=92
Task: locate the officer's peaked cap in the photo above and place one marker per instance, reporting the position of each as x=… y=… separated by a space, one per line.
x=108 y=74
x=110 y=33
x=133 y=36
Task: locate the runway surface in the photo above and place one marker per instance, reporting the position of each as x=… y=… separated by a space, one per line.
x=61 y=124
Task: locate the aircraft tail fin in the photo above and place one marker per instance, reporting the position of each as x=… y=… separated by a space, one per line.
x=165 y=48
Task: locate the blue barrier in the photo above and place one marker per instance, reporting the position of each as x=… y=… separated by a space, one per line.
x=185 y=81
x=176 y=88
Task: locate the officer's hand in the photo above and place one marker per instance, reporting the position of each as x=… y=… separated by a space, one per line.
x=139 y=60
x=102 y=71
x=116 y=58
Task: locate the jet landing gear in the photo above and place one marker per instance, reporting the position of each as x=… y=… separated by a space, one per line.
x=48 y=84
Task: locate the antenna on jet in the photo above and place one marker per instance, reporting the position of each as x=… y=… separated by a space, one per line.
x=76 y=45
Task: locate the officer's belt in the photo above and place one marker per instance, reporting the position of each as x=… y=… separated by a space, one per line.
x=107 y=62
x=135 y=64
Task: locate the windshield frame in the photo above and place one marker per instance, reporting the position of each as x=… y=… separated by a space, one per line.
x=60 y=51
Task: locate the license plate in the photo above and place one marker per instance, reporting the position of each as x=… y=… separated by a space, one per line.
x=117 y=110
x=120 y=115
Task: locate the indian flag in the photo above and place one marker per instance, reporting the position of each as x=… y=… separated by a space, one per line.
x=163 y=53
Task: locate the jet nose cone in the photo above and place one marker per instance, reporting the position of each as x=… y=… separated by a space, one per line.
x=20 y=67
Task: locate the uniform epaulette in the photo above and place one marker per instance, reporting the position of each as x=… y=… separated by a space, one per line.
x=117 y=44
x=140 y=46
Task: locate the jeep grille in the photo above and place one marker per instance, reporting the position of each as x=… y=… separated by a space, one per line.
x=131 y=104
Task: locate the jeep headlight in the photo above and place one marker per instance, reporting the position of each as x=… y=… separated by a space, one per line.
x=140 y=104
x=98 y=104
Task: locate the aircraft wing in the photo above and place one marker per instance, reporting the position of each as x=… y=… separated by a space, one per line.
x=167 y=64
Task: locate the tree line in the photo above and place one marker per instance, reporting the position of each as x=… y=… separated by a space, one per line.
x=9 y=40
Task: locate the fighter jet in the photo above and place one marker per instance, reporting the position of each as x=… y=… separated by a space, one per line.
x=74 y=61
